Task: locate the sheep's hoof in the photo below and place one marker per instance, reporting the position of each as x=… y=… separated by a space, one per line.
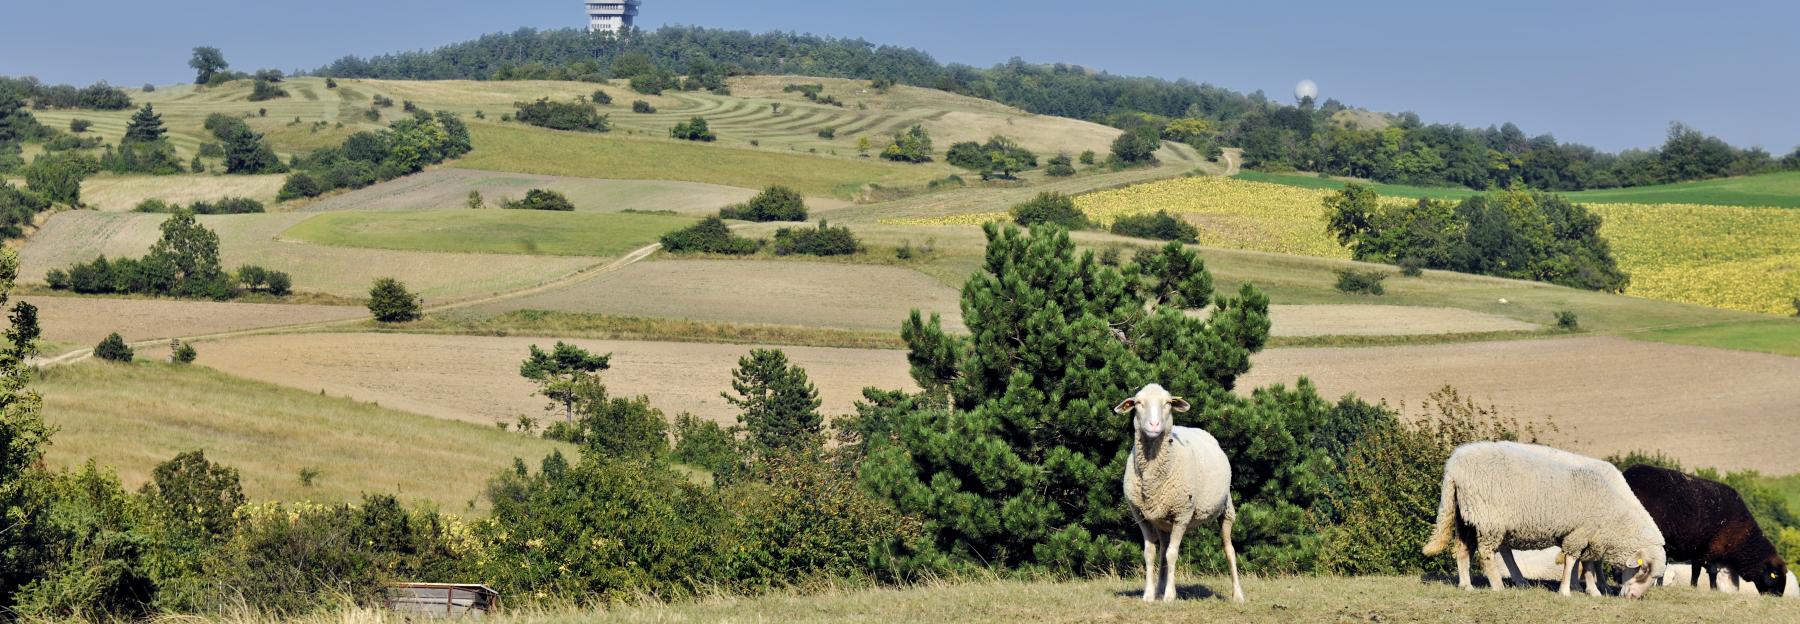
x=1237 y=598
x=1148 y=597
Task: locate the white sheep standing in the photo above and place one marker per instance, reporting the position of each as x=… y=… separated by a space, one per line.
x=1175 y=476
x=1507 y=495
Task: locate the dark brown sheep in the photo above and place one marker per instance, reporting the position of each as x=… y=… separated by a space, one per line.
x=1707 y=524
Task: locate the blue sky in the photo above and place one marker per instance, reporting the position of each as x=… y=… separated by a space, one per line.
x=1610 y=74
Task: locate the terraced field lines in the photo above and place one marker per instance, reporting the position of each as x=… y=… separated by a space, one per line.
x=530 y=232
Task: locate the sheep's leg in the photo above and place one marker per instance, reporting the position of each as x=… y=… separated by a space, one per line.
x=1464 y=545
x=1512 y=568
x=1488 y=545
x=1590 y=574
x=1237 y=590
x=1171 y=559
x=1568 y=576
x=1151 y=539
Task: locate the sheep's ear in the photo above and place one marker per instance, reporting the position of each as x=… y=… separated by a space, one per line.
x=1125 y=406
x=1178 y=404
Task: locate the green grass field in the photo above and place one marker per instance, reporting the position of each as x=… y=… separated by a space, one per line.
x=1778 y=336
x=529 y=150
x=1769 y=190
x=1777 y=190
x=533 y=232
x=1279 y=600
x=133 y=417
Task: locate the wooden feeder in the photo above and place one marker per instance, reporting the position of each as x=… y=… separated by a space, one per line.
x=452 y=600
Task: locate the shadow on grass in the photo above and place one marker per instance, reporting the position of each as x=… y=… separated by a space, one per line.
x=1182 y=592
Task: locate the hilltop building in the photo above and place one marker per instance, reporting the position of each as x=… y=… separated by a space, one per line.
x=611 y=15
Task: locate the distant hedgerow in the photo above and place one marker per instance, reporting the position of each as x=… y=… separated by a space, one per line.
x=710 y=235
x=1160 y=226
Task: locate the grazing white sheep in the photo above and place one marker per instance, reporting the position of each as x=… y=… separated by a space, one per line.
x=1175 y=476
x=1506 y=495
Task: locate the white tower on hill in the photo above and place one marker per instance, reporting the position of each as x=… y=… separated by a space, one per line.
x=611 y=15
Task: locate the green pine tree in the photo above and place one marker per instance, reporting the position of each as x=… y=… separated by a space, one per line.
x=145 y=126
x=779 y=405
x=1013 y=454
x=561 y=372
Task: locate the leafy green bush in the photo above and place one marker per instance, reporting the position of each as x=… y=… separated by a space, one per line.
x=113 y=349
x=183 y=353
x=184 y=262
x=704 y=444
x=1159 y=226
x=406 y=146
x=710 y=235
x=57 y=176
x=226 y=205
x=820 y=241
x=1050 y=208
x=581 y=116
x=298 y=185
x=601 y=97
x=640 y=106
x=540 y=199
x=1000 y=157
x=1411 y=267
x=828 y=134
x=94 y=551
x=912 y=145
x=1514 y=233
x=1361 y=282
x=265 y=90
x=797 y=518
x=390 y=302
x=1567 y=321
x=1060 y=166
x=1137 y=146
x=776 y=203
x=693 y=130
x=79 y=125
x=257 y=279
x=18 y=209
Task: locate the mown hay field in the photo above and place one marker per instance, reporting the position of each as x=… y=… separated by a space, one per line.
x=135 y=416
x=777 y=292
x=530 y=232
x=1605 y=394
x=79 y=236
x=116 y=193
x=448 y=188
x=85 y=320
x=522 y=149
x=1721 y=256
x=1270 y=600
x=475 y=379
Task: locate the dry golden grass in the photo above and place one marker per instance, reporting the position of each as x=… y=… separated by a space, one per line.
x=134 y=416
x=475 y=379
x=114 y=193
x=85 y=320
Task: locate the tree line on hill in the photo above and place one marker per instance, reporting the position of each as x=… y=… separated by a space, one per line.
x=1308 y=135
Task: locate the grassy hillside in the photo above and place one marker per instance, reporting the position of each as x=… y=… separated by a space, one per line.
x=79 y=236
x=1781 y=190
x=489 y=231
x=1778 y=336
x=1269 y=601
x=523 y=149
x=1723 y=256
x=133 y=417
x=1313 y=181
x=1775 y=190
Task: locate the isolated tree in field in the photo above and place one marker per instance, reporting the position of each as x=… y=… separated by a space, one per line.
x=182 y=352
x=391 y=303
x=1137 y=146
x=912 y=145
x=561 y=372
x=1050 y=207
x=776 y=203
x=779 y=406
x=57 y=176
x=195 y=497
x=193 y=253
x=207 y=61
x=113 y=349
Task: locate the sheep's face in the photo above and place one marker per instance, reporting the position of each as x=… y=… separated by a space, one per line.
x=1640 y=577
x=1153 y=410
x=1772 y=578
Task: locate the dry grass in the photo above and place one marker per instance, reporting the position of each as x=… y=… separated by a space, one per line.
x=811 y=294
x=79 y=236
x=1282 y=600
x=133 y=417
x=449 y=188
x=476 y=379
x=115 y=193
x=85 y=320
x=1708 y=407
x=604 y=327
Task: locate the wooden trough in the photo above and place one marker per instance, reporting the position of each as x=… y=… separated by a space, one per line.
x=452 y=600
